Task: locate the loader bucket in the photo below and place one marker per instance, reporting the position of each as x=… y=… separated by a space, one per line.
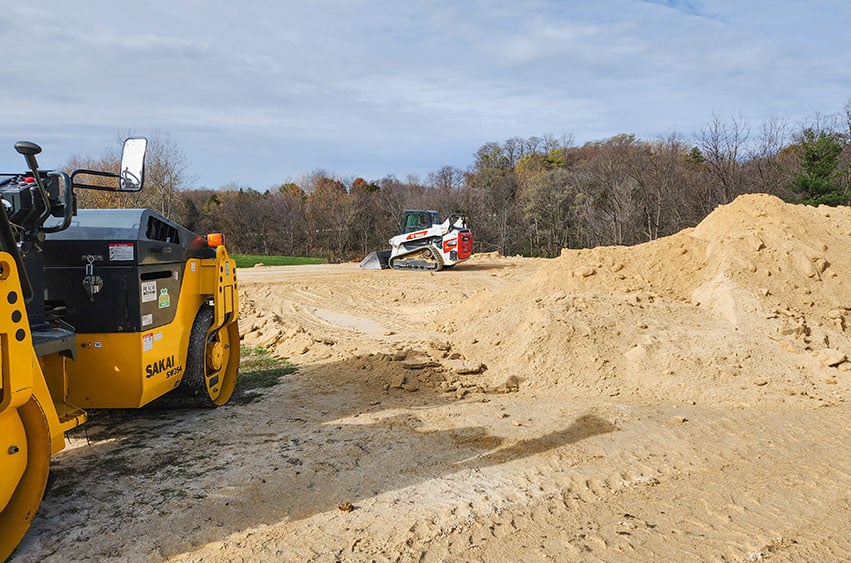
x=376 y=261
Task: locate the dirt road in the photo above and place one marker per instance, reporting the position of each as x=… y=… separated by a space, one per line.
x=681 y=400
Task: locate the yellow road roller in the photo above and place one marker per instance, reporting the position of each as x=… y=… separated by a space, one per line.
x=99 y=308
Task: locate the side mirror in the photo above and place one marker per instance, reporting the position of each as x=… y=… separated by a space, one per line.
x=132 y=174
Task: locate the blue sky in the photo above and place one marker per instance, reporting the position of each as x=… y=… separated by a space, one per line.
x=257 y=93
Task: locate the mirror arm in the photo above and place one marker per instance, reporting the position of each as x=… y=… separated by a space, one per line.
x=93 y=173
x=133 y=155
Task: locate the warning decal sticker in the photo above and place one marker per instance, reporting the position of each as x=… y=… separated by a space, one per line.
x=121 y=251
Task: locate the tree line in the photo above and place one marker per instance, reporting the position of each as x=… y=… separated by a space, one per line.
x=531 y=196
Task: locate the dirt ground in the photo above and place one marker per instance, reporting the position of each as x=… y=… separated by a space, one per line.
x=685 y=399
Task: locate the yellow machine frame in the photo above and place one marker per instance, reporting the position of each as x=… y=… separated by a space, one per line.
x=42 y=398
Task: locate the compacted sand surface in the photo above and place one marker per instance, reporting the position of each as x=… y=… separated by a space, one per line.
x=684 y=399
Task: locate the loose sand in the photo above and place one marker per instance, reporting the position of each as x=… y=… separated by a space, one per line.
x=685 y=399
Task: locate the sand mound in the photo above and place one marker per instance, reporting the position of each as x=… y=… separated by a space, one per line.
x=749 y=307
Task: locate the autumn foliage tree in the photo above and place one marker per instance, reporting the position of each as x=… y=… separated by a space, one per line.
x=531 y=196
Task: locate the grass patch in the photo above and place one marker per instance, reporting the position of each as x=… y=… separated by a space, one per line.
x=258 y=369
x=250 y=260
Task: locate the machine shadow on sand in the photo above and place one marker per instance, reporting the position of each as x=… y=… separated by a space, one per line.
x=191 y=470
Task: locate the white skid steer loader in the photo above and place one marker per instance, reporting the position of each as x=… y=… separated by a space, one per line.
x=425 y=243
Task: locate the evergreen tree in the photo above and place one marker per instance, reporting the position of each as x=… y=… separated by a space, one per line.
x=820 y=179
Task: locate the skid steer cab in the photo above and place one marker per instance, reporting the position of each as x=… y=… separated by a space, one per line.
x=99 y=308
x=425 y=243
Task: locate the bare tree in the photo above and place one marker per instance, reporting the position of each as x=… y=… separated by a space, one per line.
x=514 y=150
x=723 y=147
x=659 y=175
x=446 y=178
x=763 y=168
x=166 y=173
x=491 y=204
x=611 y=187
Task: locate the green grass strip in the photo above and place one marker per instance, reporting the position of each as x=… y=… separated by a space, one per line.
x=258 y=368
x=250 y=260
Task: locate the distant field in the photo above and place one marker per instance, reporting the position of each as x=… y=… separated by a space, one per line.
x=250 y=260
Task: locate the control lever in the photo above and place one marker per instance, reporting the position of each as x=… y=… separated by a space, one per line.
x=29 y=150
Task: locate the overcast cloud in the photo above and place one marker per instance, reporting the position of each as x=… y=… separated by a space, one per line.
x=260 y=92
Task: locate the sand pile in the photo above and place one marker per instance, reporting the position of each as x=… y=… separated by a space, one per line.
x=750 y=307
